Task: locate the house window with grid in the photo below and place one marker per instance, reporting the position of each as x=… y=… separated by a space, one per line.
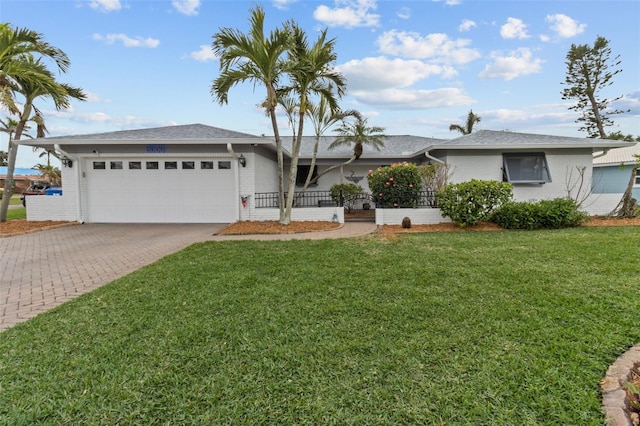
x=637 y=182
x=529 y=167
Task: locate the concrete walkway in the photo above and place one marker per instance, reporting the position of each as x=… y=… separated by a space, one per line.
x=44 y=269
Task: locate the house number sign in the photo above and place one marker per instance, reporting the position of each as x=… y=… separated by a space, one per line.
x=156 y=148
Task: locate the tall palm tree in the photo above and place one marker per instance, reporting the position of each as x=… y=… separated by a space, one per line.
x=358 y=134
x=323 y=118
x=39 y=82
x=472 y=119
x=258 y=59
x=17 y=45
x=311 y=74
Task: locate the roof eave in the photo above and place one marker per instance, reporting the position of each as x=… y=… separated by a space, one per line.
x=593 y=146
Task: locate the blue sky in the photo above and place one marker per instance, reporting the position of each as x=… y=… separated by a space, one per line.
x=412 y=67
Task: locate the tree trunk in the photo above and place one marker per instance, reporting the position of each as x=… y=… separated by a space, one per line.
x=627 y=205
x=8 y=182
x=11 y=163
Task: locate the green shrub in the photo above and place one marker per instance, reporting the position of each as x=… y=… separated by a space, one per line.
x=467 y=203
x=545 y=214
x=396 y=186
x=348 y=191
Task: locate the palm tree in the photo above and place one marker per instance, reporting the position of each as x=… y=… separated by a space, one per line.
x=46 y=152
x=358 y=134
x=8 y=127
x=323 y=118
x=30 y=78
x=50 y=173
x=258 y=59
x=472 y=119
x=311 y=74
x=16 y=45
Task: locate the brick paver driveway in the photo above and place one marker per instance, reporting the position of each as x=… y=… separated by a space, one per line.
x=41 y=270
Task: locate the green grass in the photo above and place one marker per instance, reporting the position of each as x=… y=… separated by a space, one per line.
x=15 y=200
x=16 y=214
x=493 y=328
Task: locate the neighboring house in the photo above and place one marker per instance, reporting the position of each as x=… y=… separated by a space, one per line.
x=197 y=173
x=611 y=174
x=22 y=178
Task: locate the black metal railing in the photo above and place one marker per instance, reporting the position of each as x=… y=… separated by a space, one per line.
x=301 y=199
x=324 y=199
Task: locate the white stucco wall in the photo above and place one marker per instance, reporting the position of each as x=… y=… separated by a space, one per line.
x=313 y=214
x=424 y=216
x=601 y=204
x=56 y=207
x=562 y=167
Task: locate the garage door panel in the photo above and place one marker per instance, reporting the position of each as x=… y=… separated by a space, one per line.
x=161 y=195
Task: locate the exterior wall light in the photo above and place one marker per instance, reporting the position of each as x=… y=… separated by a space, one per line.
x=242 y=161
x=67 y=162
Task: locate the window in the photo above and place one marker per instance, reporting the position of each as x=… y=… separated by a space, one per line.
x=224 y=165
x=99 y=165
x=526 y=168
x=152 y=165
x=171 y=165
x=206 y=165
x=188 y=165
x=135 y=165
x=637 y=182
x=116 y=165
x=303 y=172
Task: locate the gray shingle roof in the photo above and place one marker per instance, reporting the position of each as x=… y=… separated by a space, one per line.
x=395 y=146
x=188 y=132
x=491 y=139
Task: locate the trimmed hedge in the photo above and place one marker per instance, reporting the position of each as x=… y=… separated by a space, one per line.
x=546 y=214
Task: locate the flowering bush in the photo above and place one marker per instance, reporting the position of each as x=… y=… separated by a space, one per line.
x=397 y=185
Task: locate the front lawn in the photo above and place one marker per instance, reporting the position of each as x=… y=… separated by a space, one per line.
x=20 y=213
x=478 y=328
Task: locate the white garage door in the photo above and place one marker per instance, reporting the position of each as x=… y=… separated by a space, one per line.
x=161 y=190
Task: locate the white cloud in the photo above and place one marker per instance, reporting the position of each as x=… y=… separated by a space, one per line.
x=514 y=28
x=381 y=72
x=544 y=38
x=205 y=54
x=518 y=120
x=348 y=13
x=564 y=26
x=283 y=4
x=404 y=13
x=438 y=47
x=518 y=63
x=630 y=101
x=466 y=25
x=186 y=7
x=105 y=5
x=128 y=41
x=413 y=99
x=448 y=2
